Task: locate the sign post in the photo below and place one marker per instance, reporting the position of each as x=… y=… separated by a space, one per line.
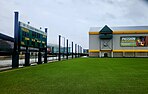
x=45 y=55
x=39 y=57
x=15 y=55
x=27 y=57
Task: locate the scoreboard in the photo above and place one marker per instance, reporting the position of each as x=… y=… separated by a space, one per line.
x=31 y=37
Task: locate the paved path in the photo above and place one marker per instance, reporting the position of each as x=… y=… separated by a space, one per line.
x=8 y=62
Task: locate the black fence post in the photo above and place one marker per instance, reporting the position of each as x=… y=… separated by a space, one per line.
x=72 y=49
x=75 y=50
x=64 y=49
x=59 y=48
x=67 y=50
x=15 y=55
x=81 y=52
x=45 y=55
x=78 y=50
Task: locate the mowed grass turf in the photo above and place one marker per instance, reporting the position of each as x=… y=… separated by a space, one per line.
x=79 y=76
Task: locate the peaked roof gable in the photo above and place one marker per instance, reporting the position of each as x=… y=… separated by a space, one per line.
x=106 y=29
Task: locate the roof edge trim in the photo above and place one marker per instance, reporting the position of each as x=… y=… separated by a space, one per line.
x=122 y=32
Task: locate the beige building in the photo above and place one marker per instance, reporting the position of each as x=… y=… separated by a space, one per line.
x=130 y=41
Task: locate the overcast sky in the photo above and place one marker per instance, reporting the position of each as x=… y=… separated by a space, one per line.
x=73 y=18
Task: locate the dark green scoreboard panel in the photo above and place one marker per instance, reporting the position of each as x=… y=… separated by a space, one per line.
x=31 y=37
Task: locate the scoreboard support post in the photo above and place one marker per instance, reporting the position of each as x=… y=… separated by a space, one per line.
x=15 y=55
x=45 y=55
x=39 y=57
x=27 y=57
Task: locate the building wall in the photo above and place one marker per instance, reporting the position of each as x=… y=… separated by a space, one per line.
x=94 y=54
x=94 y=44
x=141 y=54
x=118 y=54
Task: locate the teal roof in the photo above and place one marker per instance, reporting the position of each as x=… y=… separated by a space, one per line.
x=106 y=29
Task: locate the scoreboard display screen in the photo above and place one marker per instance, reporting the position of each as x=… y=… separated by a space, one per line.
x=31 y=37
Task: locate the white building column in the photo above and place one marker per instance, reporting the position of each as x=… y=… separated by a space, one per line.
x=100 y=54
x=112 y=54
x=123 y=54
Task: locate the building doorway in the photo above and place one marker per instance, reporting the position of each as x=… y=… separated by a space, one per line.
x=105 y=55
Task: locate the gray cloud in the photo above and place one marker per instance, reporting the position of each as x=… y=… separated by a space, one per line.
x=146 y=1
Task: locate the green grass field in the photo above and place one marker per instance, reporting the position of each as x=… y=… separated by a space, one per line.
x=79 y=76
